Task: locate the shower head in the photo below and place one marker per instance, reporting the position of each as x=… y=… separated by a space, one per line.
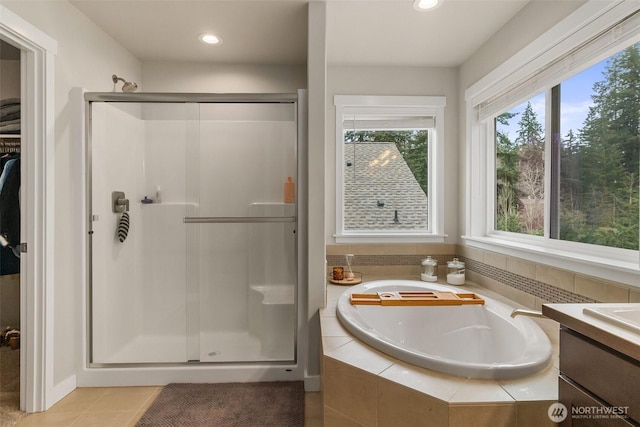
x=127 y=86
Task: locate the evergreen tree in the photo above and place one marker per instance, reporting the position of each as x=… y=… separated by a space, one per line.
x=506 y=177
x=610 y=155
x=530 y=141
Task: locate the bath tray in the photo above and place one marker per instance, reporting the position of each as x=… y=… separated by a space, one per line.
x=416 y=298
x=357 y=279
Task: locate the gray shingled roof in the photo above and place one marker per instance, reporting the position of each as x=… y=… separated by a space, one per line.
x=379 y=173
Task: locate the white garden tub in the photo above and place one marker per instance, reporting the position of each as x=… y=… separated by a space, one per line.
x=476 y=341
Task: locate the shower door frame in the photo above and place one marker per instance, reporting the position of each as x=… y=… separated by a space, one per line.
x=101 y=373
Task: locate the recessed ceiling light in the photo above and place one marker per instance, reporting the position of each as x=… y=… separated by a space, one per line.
x=209 y=38
x=426 y=4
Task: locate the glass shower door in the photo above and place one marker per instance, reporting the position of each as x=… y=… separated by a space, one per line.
x=206 y=268
x=138 y=290
x=241 y=241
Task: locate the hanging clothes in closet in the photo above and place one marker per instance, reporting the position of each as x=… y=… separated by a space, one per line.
x=9 y=206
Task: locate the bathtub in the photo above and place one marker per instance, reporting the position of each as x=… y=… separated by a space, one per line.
x=476 y=341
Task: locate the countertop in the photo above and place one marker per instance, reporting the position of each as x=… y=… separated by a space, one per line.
x=618 y=338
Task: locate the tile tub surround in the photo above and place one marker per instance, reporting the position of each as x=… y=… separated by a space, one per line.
x=364 y=387
x=528 y=283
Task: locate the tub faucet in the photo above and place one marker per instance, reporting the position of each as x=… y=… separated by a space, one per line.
x=530 y=313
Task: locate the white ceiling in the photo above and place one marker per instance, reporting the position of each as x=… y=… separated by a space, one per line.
x=359 y=32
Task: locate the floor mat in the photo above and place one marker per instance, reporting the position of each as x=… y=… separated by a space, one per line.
x=263 y=404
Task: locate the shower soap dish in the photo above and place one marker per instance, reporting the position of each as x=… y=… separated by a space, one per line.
x=416 y=298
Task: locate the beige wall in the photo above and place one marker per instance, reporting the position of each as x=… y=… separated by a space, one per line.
x=212 y=78
x=87 y=57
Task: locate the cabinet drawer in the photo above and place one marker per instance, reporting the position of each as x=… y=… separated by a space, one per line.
x=612 y=377
x=572 y=396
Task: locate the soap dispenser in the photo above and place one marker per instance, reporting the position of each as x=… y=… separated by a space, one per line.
x=289 y=191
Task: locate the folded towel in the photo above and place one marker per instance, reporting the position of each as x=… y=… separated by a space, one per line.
x=9 y=101
x=9 y=111
x=11 y=129
x=123 y=227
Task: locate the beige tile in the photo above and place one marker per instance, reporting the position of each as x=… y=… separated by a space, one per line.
x=126 y=399
x=552 y=329
x=555 y=277
x=337 y=249
x=540 y=386
x=403 y=406
x=600 y=290
x=481 y=391
x=80 y=400
x=384 y=249
x=331 y=327
x=153 y=397
x=519 y=296
x=469 y=252
x=360 y=355
x=330 y=344
x=436 y=249
x=495 y=259
x=104 y=419
x=634 y=295
x=534 y=414
x=482 y=416
x=424 y=381
x=350 y=391
x=485 y=282
x=540 y=302
x=313 y=409
x=333 y=418
x=333 y=293
x=521 y=267
x=380 y=272
x=50 y=419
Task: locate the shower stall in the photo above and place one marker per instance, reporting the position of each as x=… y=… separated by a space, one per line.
x=193 y=272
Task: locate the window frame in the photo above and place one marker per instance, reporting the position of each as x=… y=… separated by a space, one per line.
x=408 y=105
x=621 y=265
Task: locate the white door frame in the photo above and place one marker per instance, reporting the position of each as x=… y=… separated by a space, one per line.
x=37 y=191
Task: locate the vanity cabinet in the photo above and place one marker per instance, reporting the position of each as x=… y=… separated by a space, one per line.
x=597 y=382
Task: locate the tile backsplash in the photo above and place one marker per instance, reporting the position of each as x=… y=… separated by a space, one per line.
x=521 y=280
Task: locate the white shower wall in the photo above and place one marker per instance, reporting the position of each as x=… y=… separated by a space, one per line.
x=174 y=292
x=138 y=289
x=246 y=153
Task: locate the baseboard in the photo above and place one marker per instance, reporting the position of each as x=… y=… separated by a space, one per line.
x=312 y=383
x=60 y=390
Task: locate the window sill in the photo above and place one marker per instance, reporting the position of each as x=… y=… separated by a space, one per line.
x=390 y=238
x=616 y=270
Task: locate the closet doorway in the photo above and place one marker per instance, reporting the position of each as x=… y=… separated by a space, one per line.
x=37 y=63
x=10 y=218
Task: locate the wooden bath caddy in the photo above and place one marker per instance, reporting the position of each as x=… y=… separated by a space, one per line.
x=416 y=298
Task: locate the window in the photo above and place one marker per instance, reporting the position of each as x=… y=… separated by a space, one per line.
x=553 y=149
x=387 y=183
x=520 y=168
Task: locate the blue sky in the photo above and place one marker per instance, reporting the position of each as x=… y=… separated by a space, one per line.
x=575 y=101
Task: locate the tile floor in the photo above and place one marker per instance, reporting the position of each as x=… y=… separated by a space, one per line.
x=123 y=407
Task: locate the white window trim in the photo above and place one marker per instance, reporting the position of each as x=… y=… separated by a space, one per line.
x=607 y=263
x=426 y=105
